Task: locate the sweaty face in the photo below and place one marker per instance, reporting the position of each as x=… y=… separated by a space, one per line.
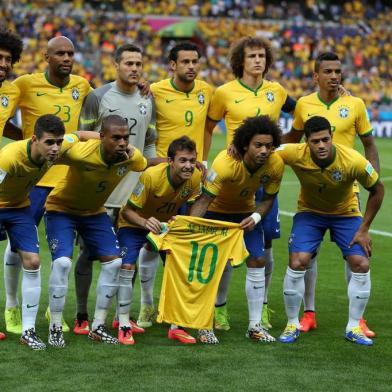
x=60 y=57
x=130 y=68
x=48 y=146
x=320 y=145
x=259 y=149
x=187 y=66
x=254 y=62
x=5 y=64
x=115 y=143
x=329 y=75
x=183 y=165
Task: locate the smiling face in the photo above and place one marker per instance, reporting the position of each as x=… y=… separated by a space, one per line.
x=254 y=61
x=187 y=65
x=321 y=147
x=182 y=166
x=129 y=69
x=329 y=76
x=5 y=64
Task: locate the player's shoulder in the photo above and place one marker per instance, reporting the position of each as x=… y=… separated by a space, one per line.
x=162 y=84
x=9 y=88
x=202 y=85
x=29 y=79
x=272 y=84
x=347 y=152
x=15 y=151
x=352 y=100
x=307 y=98
x=227 y=87
x=157 y=172
x=76 y=79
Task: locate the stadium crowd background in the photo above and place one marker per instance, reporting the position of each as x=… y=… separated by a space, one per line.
x=359 y=31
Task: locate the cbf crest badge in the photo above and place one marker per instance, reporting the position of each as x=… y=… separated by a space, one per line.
x=270 y=96
x=200 y=98
x=75 y=94
x=4 y=101
x=185 y=192
x=337 y=175
x=122 y=170
x=142 y=109
x=343 y=112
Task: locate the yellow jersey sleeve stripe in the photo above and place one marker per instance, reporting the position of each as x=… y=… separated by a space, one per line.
x=129 y=202
x=368 y=133
x=209 y=193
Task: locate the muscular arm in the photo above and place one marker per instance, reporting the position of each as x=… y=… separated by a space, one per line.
x=12 y=131
x=361 y=237
x=209 y=127
x=371 y=152
x=263 y=208
x=199 y=208
x=87 y=135
x=131 y=216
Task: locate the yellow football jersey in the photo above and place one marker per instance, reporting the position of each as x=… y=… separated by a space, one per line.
x=90 y=180
x=39 y=96
x=198 y=250
x=235 y=101
x=179 y=113
x=19 y=173
x=9 y=95
x=234 y=186
x=347 y=115
x=329 y=190
x=155 y=194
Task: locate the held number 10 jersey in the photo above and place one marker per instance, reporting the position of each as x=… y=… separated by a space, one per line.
x=198 y=250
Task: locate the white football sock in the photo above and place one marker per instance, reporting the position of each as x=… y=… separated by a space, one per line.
x=358 y=294
x=148 y=265
x=124 y=296
x=31 y=292
x=223 y=288
x=83 y=277
x=269 y=267
x=58 y=287
x=254 y=288
x=293 y=291
x=12 y=268
x=310 y=285
x=107 y=288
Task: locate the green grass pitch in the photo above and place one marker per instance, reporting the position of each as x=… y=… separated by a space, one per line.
x=321 y=360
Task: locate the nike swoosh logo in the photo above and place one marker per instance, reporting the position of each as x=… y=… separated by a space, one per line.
x=31 y=306
x=239 y=100
x=170 y=100
x=145 y=281
x=113 y=110
x=9 y=264
x=40 y=94
x=258 y=287
x=57 y=297
x=121 y=305
x=311 y=114
x=109 y=296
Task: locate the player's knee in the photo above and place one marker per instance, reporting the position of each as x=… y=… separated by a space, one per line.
x=255 y=262
x=31 y=261
x=298 y=263
x=359 y=264
x=63 y=265
x=107 y=259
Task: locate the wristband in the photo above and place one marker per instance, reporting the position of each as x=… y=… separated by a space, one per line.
x=205 y=164
x=256 y=217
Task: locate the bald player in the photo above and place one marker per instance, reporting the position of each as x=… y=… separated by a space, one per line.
x=55 y=91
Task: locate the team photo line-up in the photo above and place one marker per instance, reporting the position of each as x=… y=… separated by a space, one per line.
x=123 y=168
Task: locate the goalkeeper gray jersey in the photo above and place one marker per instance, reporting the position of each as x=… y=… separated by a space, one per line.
x=140 y=114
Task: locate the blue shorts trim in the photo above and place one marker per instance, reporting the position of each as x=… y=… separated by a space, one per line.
x=309 y=228
x=271 y=222
x=96 y=230
x=21 y=229
x=254 y=240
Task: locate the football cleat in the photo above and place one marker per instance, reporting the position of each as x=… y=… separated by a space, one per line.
x=180 y=335
x=3 y=336
x=101 y=334
x=146 y=316
x=266 y=317
x=81 y=327
x=135 y=327
x=31 y=340
x=125 y=336
x=207 y=336
x=259 y=334
x=290 y=334
x=64 y=324
x=222 y=318
x=308 y=322
x=356 y=335
x=13 y=320
x=365 y=329
x=56 y=337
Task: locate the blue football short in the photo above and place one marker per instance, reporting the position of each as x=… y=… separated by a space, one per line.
x=96 y=230
x=131 y=240
x=38 y=196
x=271 y=222
x=21 y=229
x=309 y=228
x=254 y=240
